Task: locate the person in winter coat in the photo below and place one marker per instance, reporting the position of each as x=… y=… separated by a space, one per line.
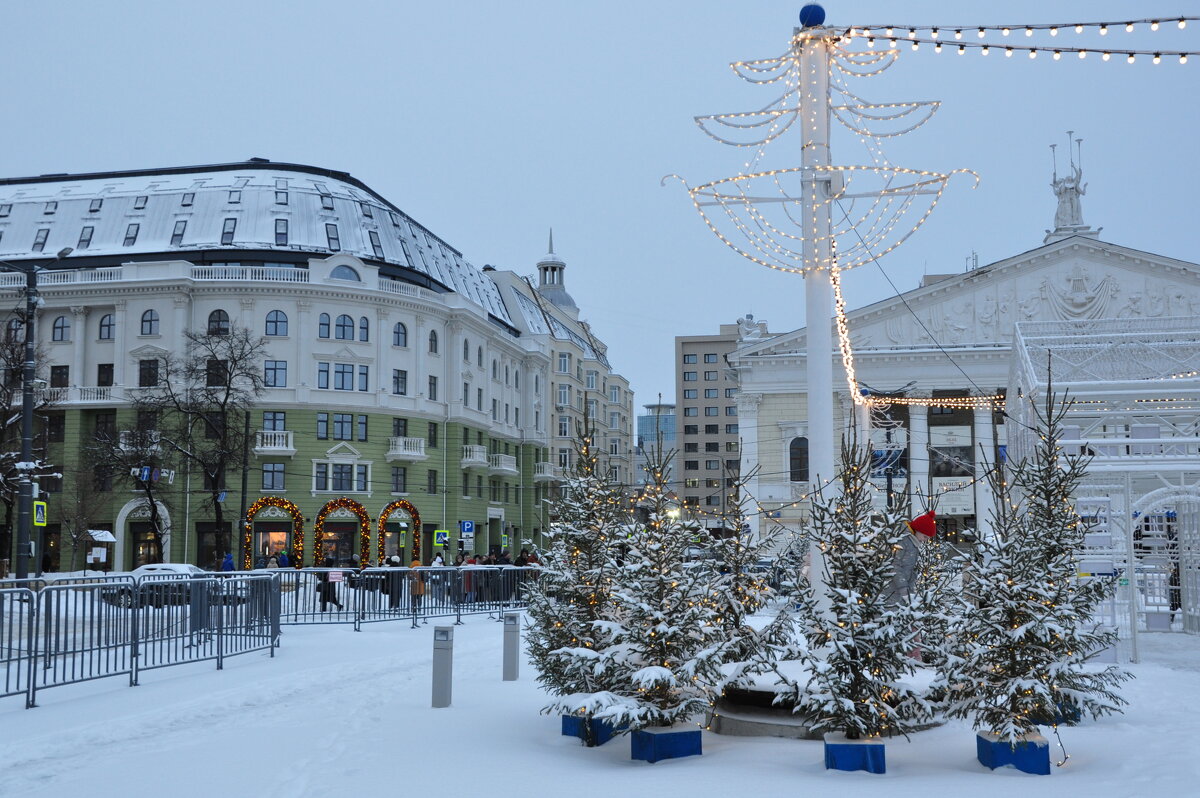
x=283 y=559
x=392 y=581
x=326 y=590
x=227 y=563
x=438 y=562
x=522 y=559
x=416 y=586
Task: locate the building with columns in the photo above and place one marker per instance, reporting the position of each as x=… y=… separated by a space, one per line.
x=949 y=338
x=406 y=390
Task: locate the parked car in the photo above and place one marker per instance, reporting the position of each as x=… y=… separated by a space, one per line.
x=162 y=584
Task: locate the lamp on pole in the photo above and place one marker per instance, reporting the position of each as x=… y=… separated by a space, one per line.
x=26 y=465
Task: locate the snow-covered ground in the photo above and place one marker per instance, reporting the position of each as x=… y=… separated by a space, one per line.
x=339 y=712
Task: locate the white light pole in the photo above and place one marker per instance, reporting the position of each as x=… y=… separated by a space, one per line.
x=26 y=465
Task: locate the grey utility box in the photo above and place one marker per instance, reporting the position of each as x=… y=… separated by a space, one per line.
x=512 y=645
x=443 y=665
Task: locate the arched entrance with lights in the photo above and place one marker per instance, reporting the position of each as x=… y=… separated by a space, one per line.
x=273 y=525
x=342 y=532
x=399 y=532
x=1166 y=548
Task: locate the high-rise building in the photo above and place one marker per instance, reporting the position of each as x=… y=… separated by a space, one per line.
x=709 y=458
x=655 y=436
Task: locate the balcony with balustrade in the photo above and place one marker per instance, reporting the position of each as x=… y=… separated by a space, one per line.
x=274 y=442
x=136 y=440
x=406 y=449
x=546 y=472
x=503 y=464
x=474 y=456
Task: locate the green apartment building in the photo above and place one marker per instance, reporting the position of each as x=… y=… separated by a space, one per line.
x=412 y=403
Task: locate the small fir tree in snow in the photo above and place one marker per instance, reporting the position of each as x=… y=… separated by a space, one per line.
x=570 y=605
x=857 y=650
x=669 y=643
x=940 y=601
x=742 y=584
x=1033 y=626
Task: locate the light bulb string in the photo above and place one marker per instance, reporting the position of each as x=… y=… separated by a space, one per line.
x=1028 y=28
x=938 y=44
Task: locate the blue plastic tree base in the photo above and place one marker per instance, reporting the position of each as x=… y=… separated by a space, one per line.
x=652 y=745
x=602 y=730
x=843 y=754
x=1030 y=754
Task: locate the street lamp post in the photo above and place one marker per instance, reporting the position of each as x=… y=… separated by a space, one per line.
x=26 y=465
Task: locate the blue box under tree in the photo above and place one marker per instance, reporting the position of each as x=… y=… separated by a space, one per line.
x=654 y=744
x=1030 y=754
x=602 y=730
x=843 y=754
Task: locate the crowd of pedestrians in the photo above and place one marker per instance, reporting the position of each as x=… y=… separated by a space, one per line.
x=416 y=587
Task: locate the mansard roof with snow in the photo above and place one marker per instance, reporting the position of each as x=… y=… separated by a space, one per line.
x=276 y=214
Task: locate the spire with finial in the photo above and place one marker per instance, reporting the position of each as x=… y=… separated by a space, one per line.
x=551 y=271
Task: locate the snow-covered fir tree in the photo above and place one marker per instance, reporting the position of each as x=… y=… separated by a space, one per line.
x=669 y=641
x=741 y=583
x=939 y=599
x=570 y=606
x=856 y=643
x=1033 y=627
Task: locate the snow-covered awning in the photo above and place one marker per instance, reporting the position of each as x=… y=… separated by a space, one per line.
x=102 y=535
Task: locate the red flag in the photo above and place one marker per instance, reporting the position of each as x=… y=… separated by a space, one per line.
x=924 y=524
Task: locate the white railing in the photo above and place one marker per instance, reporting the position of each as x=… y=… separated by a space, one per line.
x=503 y=462
x=131 y=439
x=103 y=393
x=64 y=277
x=397 y=287
x=51 y=395
x=1130 y=449
x=406 y=448
x=546 y=471
x=271 y=440
x=474 y=455
x=269 y=274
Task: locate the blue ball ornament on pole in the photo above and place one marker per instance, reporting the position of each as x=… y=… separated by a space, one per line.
x=811 y=16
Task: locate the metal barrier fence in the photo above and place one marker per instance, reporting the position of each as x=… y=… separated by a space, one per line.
x=76 y=630
x=370 y=595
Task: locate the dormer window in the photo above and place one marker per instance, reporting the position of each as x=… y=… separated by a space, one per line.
x=39 y=241
x=131 y=234
x=227 y=232
x=177 y=235
x=375 y=243
x=281 y=198
x=327 y=202
x=50 y=208
x=331 y=235
x=85 y=238
x=281 y=232
x=95 y=205
x=187 y=199
x=366 y=210
x=235 y=197
x=6 y=209
x=139 y=203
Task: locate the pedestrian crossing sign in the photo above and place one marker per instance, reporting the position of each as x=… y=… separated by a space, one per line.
x=39 y=513
x=441 y=537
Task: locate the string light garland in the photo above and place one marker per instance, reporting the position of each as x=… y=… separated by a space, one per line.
x=1056 y=51
x=406 y=506
x=296 y=554
x=1004 y=30
x=364 y=527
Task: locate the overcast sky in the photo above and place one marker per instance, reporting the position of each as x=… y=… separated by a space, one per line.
x=491 y=122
